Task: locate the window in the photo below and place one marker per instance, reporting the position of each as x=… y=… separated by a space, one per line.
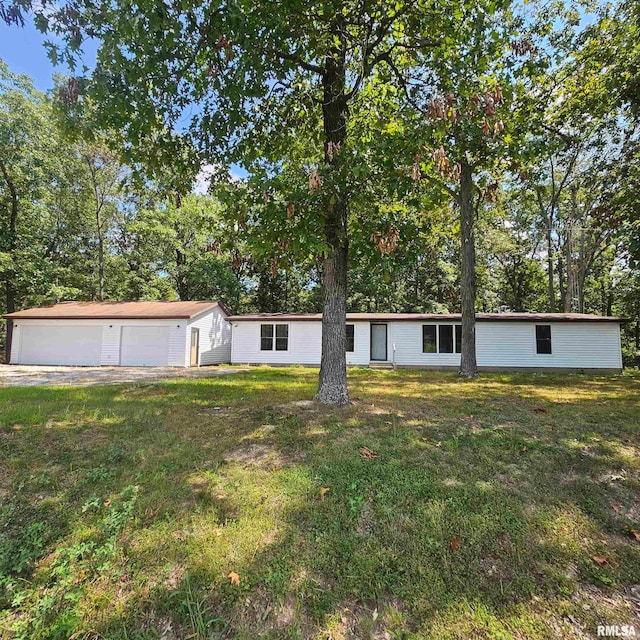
x=441 y=338
x=350 y=338
x=543 y=338
x=446 y=338
x=282 y=337
x=266 y=337
x=429 y=344
x=268 y=333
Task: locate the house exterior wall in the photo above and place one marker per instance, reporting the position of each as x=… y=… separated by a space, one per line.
x=215 y=338
x=177 y=353
x=305 y=344
x=500 y=345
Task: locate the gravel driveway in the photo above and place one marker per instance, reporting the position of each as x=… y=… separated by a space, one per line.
x=28 y=376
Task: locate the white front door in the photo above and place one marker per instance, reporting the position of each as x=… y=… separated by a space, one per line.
x=378 y=341
x=52 y=343
x=144 y=346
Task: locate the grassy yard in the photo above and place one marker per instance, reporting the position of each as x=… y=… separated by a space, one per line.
x=226 y=507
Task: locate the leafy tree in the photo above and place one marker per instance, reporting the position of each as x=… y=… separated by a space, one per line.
x=262 y=76
x=26 y=140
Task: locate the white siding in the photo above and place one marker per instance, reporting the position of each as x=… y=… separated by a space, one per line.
x=503 y=344
x=215 y=338
x=579 y=345
x=305 y=344
x=108 y=339
x=407 y=338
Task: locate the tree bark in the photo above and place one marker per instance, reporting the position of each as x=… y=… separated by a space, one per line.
x=551 y=288
x=9 y=287
x=332 y=382
x=100 y=254
x=468 y=363
x=568 y=293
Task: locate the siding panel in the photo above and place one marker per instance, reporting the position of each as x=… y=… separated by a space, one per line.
x=575 y=345
x=215 y=338
x=305 y=344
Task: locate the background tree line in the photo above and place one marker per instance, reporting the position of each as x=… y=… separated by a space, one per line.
x=550 y=149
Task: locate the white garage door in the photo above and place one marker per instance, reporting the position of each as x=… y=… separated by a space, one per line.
x=144 y=346
x=60 y=344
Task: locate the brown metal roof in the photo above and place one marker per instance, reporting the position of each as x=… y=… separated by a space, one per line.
x=141 y=310
x=405 y=317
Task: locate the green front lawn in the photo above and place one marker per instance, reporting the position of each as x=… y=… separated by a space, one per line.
x=496 y=508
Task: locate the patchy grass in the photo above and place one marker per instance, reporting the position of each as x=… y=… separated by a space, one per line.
x=124 y=509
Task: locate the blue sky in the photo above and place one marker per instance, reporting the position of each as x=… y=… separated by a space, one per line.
x=23 y=50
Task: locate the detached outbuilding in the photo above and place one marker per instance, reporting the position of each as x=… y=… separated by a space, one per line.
x=504 y=341
x=154 y=333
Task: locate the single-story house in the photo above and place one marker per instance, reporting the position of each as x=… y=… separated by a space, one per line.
x=513 y=341
x=153 y=333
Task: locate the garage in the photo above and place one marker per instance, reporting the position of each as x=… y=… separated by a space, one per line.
x=145 y=333
x=144 y=346
x=61 y=344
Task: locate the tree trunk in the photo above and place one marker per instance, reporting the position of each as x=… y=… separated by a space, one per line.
x=468 y=364
x=100 y=254
x=9 y=287
x=332 y=383
x=568 y=293
x=551 y=288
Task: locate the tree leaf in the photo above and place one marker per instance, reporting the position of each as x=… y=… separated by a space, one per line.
x=234 y=578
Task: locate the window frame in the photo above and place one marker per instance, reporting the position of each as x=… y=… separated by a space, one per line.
x=274 y=337
x=456 y=344
x=453 y=338
x=548 y=340
x=353 y=338
x=435 y=335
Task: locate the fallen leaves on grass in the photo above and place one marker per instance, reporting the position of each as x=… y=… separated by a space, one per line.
x=539 y=410
x=600 y=559
x=455 y=544
x=634 y=533
x=179 y=535
x=323 y=492
x=234 y=578
x=368 y=454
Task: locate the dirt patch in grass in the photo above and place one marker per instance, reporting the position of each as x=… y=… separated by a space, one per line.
x=264 y=456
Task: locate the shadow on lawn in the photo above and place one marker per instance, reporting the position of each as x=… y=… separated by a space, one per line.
x=479 y=517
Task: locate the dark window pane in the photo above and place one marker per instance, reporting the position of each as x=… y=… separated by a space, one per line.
x=350 y=337
x=266 y=337
x=543 y=338
x=429 y=338
x=446 y=338
x=458 y=338
x=282 y=337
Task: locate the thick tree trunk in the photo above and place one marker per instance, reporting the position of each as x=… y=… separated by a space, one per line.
x=468 y=364
x=9 y=287
x=332 y=383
